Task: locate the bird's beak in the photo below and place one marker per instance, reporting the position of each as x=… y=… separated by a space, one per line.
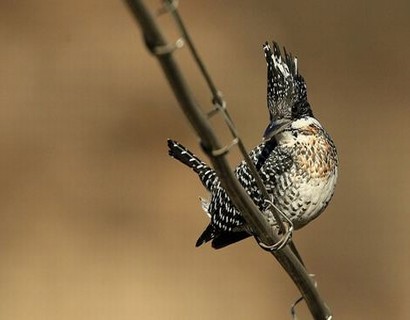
x=275 y=127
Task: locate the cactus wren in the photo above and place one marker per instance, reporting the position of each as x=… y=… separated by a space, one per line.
x=297 y=159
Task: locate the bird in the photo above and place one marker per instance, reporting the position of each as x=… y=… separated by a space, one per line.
x=296 y=160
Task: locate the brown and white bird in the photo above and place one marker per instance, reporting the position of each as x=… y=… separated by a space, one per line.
x=297 y=159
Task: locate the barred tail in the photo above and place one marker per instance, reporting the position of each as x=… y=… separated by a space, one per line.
x=206 y=174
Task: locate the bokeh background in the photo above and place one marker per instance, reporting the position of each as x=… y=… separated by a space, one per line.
x=96 y=222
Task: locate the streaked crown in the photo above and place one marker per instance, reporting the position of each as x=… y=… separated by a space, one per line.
x=286 y=90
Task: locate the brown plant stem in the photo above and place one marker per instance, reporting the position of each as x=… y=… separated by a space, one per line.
x=163 y=51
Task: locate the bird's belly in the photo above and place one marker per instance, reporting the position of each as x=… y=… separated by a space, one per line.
x=302 y=199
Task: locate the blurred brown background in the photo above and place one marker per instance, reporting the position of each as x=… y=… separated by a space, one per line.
x=96 y=222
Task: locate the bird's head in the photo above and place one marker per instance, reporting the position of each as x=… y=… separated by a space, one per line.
x=286 y=92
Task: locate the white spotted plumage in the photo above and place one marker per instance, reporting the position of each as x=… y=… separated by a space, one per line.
x=297 y=160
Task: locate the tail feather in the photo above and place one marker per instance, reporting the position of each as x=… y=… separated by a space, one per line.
x=208 y=234
x=220 y=239
x=227 y=238
x=206 y=174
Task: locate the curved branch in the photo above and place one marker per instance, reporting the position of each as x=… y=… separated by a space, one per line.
x=157 y=45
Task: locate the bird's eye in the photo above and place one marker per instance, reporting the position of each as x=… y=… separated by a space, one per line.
x=301 y=109
x=296 y=110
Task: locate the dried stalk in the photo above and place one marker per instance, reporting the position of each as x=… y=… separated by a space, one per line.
x=163 y=51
